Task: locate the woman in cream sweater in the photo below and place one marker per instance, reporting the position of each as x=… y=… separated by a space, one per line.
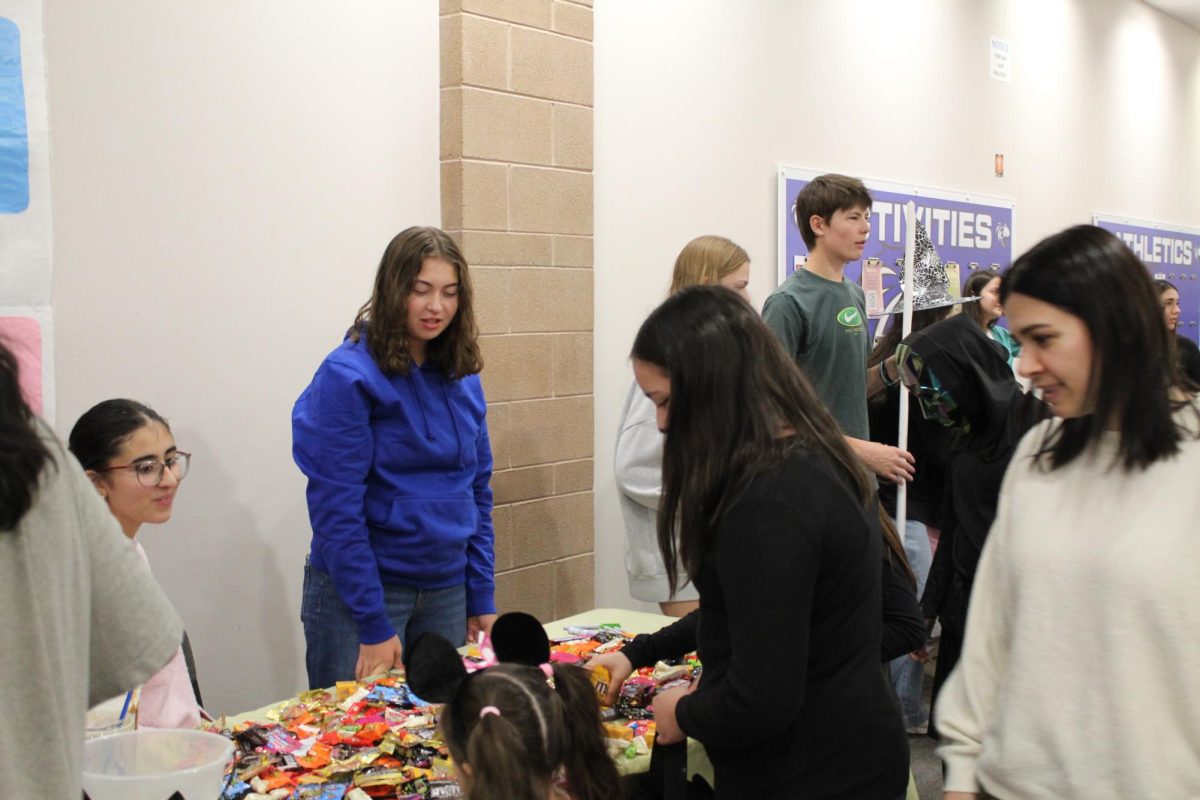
x=1078 y=671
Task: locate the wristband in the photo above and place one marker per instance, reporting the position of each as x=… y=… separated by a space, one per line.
x=884 y=376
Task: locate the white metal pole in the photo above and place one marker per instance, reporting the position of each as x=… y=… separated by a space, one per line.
x=910 y=247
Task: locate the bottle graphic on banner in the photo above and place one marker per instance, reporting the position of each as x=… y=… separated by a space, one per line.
x=954 y=280
x=872 y=284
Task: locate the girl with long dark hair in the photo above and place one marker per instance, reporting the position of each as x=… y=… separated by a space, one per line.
x=1186 y=355
x=1077 y=677
x=392 y=435
x=987 y=311
x=778 y=527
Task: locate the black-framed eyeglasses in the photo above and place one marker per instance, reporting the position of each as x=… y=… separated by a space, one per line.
x=149 y=471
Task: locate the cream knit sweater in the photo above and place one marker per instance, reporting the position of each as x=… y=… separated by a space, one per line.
x=1080 y=672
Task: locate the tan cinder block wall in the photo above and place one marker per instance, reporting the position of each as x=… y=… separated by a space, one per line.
x=516 y=155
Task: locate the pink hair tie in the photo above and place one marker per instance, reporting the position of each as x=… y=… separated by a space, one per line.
x=548 y=670
x=488 y=710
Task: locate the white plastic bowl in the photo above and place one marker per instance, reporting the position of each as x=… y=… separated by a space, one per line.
x=153 y=764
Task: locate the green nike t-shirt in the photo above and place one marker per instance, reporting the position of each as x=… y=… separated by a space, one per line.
x=823 y=324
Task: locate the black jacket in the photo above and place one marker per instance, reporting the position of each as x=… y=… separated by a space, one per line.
x=991 y=417
x=929 y=444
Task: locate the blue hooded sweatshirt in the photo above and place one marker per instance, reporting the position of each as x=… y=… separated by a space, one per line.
x=398 y=470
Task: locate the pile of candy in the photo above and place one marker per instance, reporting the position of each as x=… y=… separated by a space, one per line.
x=634 y=736
x=379 y=740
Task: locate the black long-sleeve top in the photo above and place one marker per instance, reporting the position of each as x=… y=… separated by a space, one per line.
x=903 y=623
x=793 y=702
x=903 y=628
x=1189 y=358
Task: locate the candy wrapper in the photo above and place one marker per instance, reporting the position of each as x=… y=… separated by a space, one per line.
x=634 y=700
x=323 y=791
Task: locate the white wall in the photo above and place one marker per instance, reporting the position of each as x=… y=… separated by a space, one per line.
x=699 y=101
x=226 y=175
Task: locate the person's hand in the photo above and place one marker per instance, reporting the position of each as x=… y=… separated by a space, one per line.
x=374 y=659
x=667 y=730
x=481 y=622
x=890 y=463
x=920 y=655
x=619 y=668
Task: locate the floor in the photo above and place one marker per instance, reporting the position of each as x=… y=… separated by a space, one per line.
x=926 y=766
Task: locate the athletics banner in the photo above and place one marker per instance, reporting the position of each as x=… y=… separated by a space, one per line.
x=1171 y=253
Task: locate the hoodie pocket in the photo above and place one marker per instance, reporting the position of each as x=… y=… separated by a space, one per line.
x=425 y=538
x=444 y=519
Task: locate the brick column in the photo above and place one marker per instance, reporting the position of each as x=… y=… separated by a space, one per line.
x=516 y=160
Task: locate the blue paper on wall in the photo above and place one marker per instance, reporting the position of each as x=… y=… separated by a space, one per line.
x=14 y=136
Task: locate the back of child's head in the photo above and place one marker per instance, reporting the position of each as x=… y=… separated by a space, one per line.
x=825 y=195
x=514 y=732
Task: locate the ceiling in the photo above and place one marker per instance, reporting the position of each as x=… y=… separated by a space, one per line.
x=1186 y=11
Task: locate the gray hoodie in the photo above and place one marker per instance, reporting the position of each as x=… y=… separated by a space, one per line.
x=638 y=468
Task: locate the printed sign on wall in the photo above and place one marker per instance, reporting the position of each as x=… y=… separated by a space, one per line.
x=14 y=139
x=28 y=335
x=969 y=232
x=25 y=233
x=1172 y=254
x=26 y=325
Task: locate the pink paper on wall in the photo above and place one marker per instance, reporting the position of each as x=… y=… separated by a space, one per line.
x=23 y=337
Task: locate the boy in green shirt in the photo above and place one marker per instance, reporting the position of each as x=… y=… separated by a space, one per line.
x=820 y=317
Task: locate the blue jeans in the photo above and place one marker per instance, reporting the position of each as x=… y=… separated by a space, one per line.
x=331 y=634
x=908 y=676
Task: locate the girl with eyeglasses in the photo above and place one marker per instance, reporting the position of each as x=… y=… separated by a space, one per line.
x=129 y=453
x=1078 y=670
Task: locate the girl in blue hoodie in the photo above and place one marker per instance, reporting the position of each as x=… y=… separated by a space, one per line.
x=393 y=438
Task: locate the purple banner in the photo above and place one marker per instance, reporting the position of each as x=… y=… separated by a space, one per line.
x=1170 y=253
x=970 y=233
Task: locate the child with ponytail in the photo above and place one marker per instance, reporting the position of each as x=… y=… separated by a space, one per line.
x=521 y=728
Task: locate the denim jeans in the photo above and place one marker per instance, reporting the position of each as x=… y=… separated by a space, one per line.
x=331 y=634
x=908 y=676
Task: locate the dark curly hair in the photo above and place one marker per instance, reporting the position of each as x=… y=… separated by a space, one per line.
x=383 y=320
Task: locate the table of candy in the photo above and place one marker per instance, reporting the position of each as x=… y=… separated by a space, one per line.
x=376 y=739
